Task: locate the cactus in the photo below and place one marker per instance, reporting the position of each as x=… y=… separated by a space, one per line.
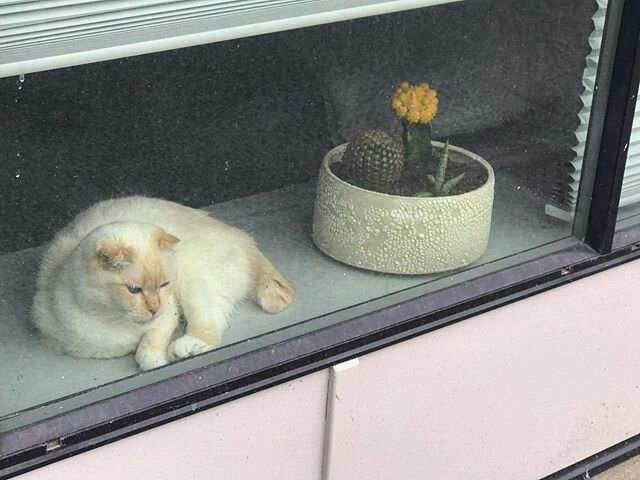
x=374 y=160
x=417 y=139
x=377 y=160
x=416 y=106
x=439 y=186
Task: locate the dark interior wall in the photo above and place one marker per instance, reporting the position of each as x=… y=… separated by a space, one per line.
x=491 y=62
x=209 y=123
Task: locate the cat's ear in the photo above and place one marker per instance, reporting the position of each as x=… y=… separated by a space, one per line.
x=166 y=240
x=114 y=256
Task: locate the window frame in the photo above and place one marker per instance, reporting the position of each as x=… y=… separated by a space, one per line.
x=595 y=247
x=621 y=80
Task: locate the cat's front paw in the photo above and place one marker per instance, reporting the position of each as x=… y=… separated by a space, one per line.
x=149 y=359
x=188 y=346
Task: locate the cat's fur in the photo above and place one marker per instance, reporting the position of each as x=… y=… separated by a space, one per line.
x=118 y=277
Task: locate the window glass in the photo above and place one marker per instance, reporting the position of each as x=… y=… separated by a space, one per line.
x=316 y=143
x=629 y=206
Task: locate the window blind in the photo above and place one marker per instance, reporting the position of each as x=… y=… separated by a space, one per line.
x=566 y=196
x=47 y=34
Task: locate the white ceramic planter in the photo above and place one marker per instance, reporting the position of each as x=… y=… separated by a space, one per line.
x=395 y=234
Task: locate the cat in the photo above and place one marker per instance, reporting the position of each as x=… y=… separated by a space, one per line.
x=117 y=279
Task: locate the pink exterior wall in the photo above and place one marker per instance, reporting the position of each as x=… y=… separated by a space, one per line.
x=516 y=393
x=274 y=434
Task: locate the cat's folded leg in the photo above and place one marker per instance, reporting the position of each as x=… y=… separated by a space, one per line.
x=206 y=320
x=273 y=292
x=152 y=351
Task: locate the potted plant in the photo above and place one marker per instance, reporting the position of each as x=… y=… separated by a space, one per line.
x=405 y=205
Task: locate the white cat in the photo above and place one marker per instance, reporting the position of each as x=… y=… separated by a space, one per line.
x=117 y=278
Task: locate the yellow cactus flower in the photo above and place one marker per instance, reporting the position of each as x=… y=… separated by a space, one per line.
x=414 y=103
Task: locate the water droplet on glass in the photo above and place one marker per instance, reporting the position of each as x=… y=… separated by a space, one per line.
x=21 y=78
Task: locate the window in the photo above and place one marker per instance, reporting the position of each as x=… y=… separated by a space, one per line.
x=564 y=198
x=628 y=207
x=255 y=121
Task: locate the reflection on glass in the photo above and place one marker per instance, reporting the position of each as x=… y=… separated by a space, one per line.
x=370 y=160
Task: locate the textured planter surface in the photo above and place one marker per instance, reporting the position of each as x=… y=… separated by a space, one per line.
x=394 y=234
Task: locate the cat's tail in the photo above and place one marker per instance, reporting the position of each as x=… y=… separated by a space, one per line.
x=273 y=292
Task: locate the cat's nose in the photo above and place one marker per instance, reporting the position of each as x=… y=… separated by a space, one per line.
x=153 y=305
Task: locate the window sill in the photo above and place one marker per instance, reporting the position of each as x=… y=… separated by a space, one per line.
x=280 y=221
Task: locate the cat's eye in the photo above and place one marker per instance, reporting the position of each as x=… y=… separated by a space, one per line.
x=134 y=289
x=164 y=284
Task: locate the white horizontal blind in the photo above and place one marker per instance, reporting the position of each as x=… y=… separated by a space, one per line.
x=46 y=34
x=631 y=181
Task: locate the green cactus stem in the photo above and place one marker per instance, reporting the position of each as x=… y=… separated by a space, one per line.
x=417 y=141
